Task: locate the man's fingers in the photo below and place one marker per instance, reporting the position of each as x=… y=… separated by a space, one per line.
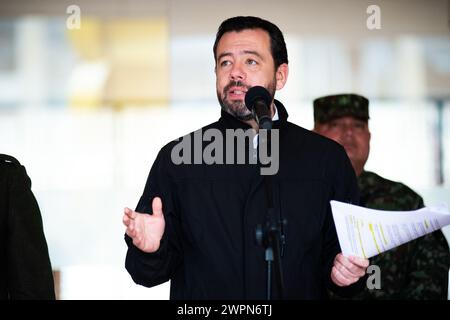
x=340 y=278
x=337 y=277
x=131 y=230
x=346 y=271
x=130 y=233
x=343 y=270
x=339 y=266
x=129 y=213
x=347 y=266
x=363 y=263
x=126 y=220
x=157 y=207
x=130 y=227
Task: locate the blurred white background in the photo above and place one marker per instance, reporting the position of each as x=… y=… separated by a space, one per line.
x=86 y=110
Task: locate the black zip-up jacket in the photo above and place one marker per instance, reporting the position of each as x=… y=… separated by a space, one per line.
x=25 y=268
x=208 y=249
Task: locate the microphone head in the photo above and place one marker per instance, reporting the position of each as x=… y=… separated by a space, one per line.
x=257 y=93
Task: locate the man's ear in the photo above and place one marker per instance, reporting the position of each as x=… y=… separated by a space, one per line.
x=281 y=75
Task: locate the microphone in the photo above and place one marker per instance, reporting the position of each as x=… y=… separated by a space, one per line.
x=257 y=100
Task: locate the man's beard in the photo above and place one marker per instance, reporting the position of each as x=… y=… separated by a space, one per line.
x=237 y=108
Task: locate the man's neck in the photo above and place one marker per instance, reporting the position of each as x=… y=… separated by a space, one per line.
x=358 y=171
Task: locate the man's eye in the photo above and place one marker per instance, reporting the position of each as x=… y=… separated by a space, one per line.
x=225 y=63
x=252 y=62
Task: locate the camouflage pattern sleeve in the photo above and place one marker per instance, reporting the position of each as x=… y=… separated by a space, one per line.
x=428 y=269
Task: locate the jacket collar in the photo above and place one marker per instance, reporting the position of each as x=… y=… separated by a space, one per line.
x=230 y=122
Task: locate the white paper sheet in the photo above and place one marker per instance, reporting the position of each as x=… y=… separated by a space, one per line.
x=366 y=232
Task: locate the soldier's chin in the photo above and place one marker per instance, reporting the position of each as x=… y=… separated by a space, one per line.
x=350 y=150
x=351 y=153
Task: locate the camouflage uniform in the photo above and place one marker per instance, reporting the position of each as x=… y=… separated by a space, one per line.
x=417 y=269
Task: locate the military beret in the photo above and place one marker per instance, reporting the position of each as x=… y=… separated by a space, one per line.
x=341 y=105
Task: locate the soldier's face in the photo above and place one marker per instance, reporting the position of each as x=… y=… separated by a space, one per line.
x=353 y=134
x=244 y=60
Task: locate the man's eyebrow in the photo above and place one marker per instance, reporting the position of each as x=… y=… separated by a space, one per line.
x=226 y=54
x=254 y=53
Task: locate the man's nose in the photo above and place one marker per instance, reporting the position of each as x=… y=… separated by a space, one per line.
x=348 y=130
x=237 y=73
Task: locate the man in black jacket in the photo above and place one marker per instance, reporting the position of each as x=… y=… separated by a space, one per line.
x=25 y=269
x=195 y=222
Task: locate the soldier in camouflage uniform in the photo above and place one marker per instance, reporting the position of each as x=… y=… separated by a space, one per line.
x=417 y=269
x=25 y=269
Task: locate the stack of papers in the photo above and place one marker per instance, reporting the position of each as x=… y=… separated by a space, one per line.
x=364 y=232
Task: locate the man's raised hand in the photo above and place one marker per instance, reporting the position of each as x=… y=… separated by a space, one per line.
x=144 y=229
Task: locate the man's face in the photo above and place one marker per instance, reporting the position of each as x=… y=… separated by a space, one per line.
x=244 y=60
x=353 y=134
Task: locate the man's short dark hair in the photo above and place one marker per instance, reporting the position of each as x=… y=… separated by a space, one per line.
x=277 y=44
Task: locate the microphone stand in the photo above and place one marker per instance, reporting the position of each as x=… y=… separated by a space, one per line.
x=271 y=235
